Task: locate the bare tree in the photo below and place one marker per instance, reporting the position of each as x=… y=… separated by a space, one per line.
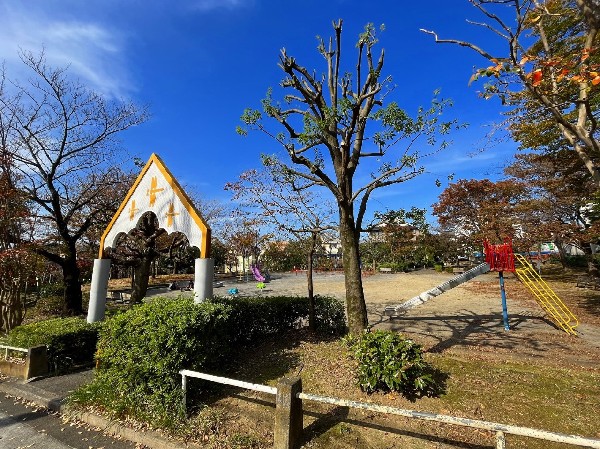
x=552 y=77
x=329 y=115
x=279 y=198
x=62 y=138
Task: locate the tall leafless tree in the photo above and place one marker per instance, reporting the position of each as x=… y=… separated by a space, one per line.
x=279 y=199
x=62 y=138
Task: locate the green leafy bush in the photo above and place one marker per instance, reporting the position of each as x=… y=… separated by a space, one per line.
x=142 y=350
x=389 y=361
x=50 y=290
x=253 y=319
x=579 y=261
x=70 y=341
x=258 y=318
x=330 y=316
x=439 y=268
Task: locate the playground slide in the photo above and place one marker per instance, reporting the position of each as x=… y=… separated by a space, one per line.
x=436 y=291
x=256 y=272
x=557 y=311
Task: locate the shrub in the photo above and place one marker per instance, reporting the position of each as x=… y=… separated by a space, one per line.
x=579 y=261
x=439 y=268
x=257 y=318
x=50 y=290
x=70 y=341
x=329 y=315
x=141 y=351
x=390 y=361
x=253 y=319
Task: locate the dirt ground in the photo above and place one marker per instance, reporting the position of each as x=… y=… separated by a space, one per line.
x=466 y=318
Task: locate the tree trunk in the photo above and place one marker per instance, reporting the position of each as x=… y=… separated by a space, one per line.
x=11 y=307
x=141 y=275
x=309 y=280
x=561 y=252
x=356 y=309
x=73 y=298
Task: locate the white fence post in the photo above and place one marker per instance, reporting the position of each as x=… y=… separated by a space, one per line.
x=184 y=388
x=500 y=440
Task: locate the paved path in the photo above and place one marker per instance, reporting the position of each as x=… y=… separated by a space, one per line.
x=22 y=427
x=27 y=427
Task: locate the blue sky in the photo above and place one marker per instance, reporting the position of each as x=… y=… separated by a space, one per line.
x=198 y=63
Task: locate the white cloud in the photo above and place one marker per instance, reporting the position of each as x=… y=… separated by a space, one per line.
x=94 y=52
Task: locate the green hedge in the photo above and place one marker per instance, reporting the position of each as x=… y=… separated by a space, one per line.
x=70 y=341
x=329 y=316
x=257 y=318
x=141 y=351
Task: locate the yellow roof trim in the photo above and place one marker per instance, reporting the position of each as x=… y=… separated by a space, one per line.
x=185 y=200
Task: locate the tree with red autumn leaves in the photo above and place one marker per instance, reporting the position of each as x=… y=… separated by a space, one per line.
x=62 y=139
x=556 y=207
x=475 y=210
x=550 y=72
x=17 y=262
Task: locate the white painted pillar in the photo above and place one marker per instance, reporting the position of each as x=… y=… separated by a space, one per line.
x=98 y=290
x=203 y=279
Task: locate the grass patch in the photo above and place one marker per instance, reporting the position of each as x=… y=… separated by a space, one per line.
x=532 y=395
x=526 y=394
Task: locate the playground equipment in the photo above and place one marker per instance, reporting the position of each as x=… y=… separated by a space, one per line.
x=558 y=312
x=501 y=258
x=436 y=291
x=257 y=274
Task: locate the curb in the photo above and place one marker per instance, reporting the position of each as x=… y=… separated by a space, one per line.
x=148 y=438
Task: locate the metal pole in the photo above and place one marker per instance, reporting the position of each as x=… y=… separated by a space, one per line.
x=504 y=308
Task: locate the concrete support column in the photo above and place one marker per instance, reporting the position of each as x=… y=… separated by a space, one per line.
x=288 y=414
x=203 y=279
x=98 y=290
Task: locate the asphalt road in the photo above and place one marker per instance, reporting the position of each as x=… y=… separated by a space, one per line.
x=23 y=427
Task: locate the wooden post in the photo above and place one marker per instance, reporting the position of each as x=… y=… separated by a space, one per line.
x=288 y=414
x=36 y=362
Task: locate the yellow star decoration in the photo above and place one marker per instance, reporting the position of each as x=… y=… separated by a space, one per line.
x=171 y=214
x=153 y=190
x=132 y=210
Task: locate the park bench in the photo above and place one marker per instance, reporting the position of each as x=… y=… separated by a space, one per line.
x=458 y=270
x=119 y=295
x=385 y=270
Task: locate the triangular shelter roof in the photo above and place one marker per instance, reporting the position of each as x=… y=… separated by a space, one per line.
x=157 y=190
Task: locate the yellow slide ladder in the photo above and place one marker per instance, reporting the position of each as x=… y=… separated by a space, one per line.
x=546 y=298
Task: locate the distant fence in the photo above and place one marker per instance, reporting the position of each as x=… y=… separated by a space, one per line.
x=288 y=413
